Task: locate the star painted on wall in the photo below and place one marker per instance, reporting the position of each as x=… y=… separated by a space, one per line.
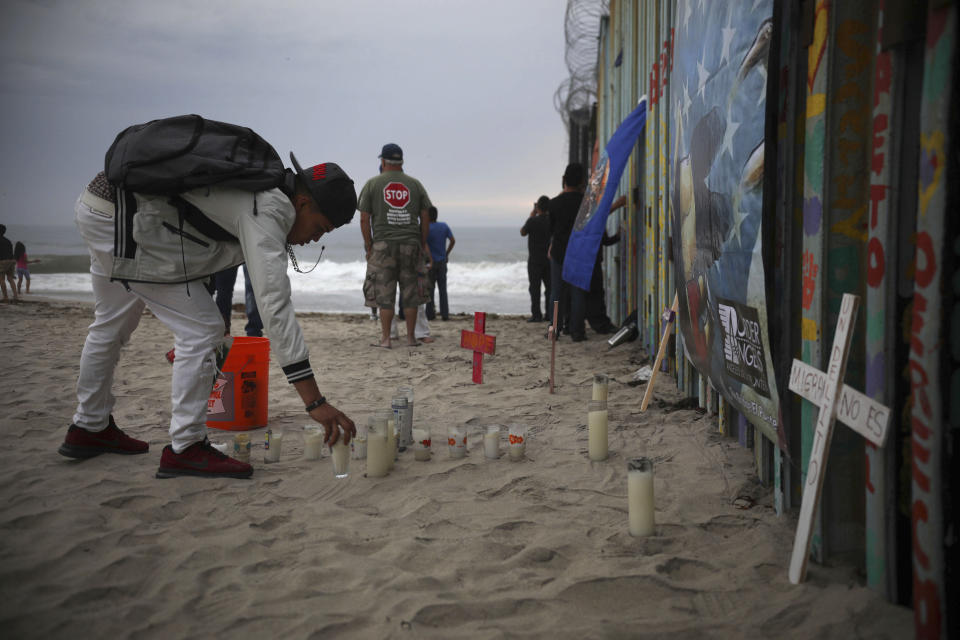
x=727 y=145
x=728 y=34
x=739 y=217
x=703 y=75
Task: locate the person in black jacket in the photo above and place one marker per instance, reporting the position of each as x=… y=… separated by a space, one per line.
x=537 y=231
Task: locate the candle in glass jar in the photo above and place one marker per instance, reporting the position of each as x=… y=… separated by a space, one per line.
x=491 y=442
x=241 y=447
x=379 y=453
x=312 y=441
x=421 y=444
x=340 y=452
x=640 y=497
x=273 y=443
x=597 y=428
x=518 y=441
x=457 y=441
x=601 y=384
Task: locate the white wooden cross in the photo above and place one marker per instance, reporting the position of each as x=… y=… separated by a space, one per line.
x=866 y=417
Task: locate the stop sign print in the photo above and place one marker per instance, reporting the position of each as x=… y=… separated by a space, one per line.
x=396 y=194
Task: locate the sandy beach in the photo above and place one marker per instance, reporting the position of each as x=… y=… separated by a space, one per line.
x=449 y=548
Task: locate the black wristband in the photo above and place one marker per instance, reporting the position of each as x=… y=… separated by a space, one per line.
x=316 y=403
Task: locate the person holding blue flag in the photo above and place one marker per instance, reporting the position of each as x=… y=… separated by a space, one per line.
x=562 y=212
x=589 y=228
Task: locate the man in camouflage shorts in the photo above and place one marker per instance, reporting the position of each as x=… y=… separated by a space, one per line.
x=394 y=222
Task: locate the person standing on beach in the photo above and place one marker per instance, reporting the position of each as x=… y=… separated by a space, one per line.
x=7 y=265
x=562 y=214
x=394 y=223
x=440 y=252
x=23 y=266
x=537 y=230
x=156 y=263
x=224 y=282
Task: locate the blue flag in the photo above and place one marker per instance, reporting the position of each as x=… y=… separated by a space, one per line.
x=595 y=207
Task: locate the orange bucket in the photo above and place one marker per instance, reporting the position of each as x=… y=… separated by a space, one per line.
x=238 y=401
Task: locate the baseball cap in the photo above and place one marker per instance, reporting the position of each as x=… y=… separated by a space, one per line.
x=392 y=152
x=331 y=188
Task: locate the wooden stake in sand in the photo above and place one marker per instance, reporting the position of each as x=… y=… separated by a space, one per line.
x=479 y=342
x=668 y=319
x=553 y=340
x=833 y=393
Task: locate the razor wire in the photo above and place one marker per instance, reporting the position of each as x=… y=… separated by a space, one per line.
x=575 y=96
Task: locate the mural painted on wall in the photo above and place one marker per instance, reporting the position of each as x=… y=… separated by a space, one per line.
x=719 y=79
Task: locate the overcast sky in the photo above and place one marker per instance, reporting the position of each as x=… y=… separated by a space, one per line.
x=465 y=87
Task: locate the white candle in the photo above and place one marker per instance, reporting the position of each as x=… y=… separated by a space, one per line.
x=358 y=444
x=491 y=442
x=340 y=452
x=518 y=441
x=597 y=428
x=640 y=497
x=457 y=440
x=600 y=386
x=421 y=444
x=379 y=451
x=378 y=463
x=275 y=442
x=312 y=442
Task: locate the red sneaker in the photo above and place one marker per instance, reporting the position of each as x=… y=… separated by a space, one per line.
x=201 y=459
x=81 y=443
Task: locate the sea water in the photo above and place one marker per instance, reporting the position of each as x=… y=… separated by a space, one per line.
x=487 y=270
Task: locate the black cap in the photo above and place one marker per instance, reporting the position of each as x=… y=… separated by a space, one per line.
x=392 y=152
x=331 y=188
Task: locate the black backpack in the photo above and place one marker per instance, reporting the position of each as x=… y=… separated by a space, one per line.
x=172 y=155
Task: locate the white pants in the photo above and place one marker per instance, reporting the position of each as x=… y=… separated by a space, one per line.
x=194 y=319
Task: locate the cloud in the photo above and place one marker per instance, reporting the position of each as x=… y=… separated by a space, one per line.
x=466 y=88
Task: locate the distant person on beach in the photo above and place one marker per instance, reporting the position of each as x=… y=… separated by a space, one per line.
x=224 y=282
x=394 y=223
x=440 y=250
x=562 y=214
x=7 y=265
x=158 y=268
x=537 y=231
x=23 y=268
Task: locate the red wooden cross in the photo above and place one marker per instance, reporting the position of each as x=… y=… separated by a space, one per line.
x=479 y=342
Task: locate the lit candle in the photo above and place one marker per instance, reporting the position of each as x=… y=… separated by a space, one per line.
x=640 y=496
x=597 y=428
x=491 y=442
x=600 y=386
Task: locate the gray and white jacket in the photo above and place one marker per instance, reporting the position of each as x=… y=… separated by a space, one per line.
x=153 y=244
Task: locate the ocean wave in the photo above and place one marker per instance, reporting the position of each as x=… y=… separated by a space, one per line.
x=496 y=287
